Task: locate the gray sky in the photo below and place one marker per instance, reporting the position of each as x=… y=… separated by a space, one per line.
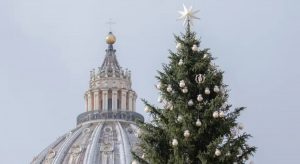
x=48 y=47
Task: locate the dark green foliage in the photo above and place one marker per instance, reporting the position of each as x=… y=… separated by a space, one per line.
x=222 y=133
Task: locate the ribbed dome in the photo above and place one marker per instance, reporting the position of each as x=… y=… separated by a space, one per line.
x=104 y=141
x=106 y=133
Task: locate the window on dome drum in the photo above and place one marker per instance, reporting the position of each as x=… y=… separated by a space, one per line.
x=119 y=100
x=127 y=103
x=118 y=104
x=109 y=104
x=109 y=100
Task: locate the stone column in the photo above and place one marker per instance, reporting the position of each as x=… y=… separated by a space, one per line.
x=114 y=100
x=123 y=99
x=90 y=102
x=130 y=100
x=86 y=102
x=105 y=100
x=133 y=102
x=96 y=100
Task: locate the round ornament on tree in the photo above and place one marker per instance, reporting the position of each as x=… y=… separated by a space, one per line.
x=216 y=89
x=221 y=114
x=215 y=114
x=217 y=152
x=174 y=142
x=207 y=91
x=180 y=62
x=240 y=126
x=147 y=109
x=178 y=46
x=205 y=56
x=240 y=151
x=186 y=134
x=135 y=162
x=158 y=86
x=195 y=48
x=179 y=118
x=160 y=100
x=198 y=123
x=182 y=83
x=169 y=88
x=185 y=90
x=169 y=106
x=190 y=103
x=199 y=98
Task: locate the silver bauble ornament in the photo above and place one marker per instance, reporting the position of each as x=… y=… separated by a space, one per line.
x=195 y=47
x=217 y=152
x=240 y=126
x=185 y=90
x=186 y=133
x=216 y=89
x=224 y=105
x=221 y=114
x=174 y=142
x=190 y=103
x=169 y=88
x=158 y=86
x=134 y=162
x=180 y=62
x=215 y=114
x=198 y=123
x=205 y=55
x=179 y=118
x=199 y=98
x=182 y=83
x=147 y=109
x=222 y=90
x=160 y=100
x=240 y=151
x=178 y=46
x=207 y=91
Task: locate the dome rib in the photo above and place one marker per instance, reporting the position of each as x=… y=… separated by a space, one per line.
x=91 y=150
x=61 y=153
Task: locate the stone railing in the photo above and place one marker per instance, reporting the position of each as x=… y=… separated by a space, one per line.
x=118 y=115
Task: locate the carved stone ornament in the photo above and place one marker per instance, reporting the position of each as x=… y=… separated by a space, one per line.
x=51 y=154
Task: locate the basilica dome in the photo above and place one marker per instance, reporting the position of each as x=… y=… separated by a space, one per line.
x=106 y=133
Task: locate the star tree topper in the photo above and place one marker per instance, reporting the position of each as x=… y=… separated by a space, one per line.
x=187 y=15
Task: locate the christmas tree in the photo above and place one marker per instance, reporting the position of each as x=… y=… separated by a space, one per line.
x=196 y=125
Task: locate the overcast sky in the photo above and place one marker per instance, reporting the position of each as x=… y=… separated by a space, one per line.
x=48 y=47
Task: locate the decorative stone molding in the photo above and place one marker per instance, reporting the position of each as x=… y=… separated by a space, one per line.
x=119 y=115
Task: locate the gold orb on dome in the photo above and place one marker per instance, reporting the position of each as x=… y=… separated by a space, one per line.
x=110 y=38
